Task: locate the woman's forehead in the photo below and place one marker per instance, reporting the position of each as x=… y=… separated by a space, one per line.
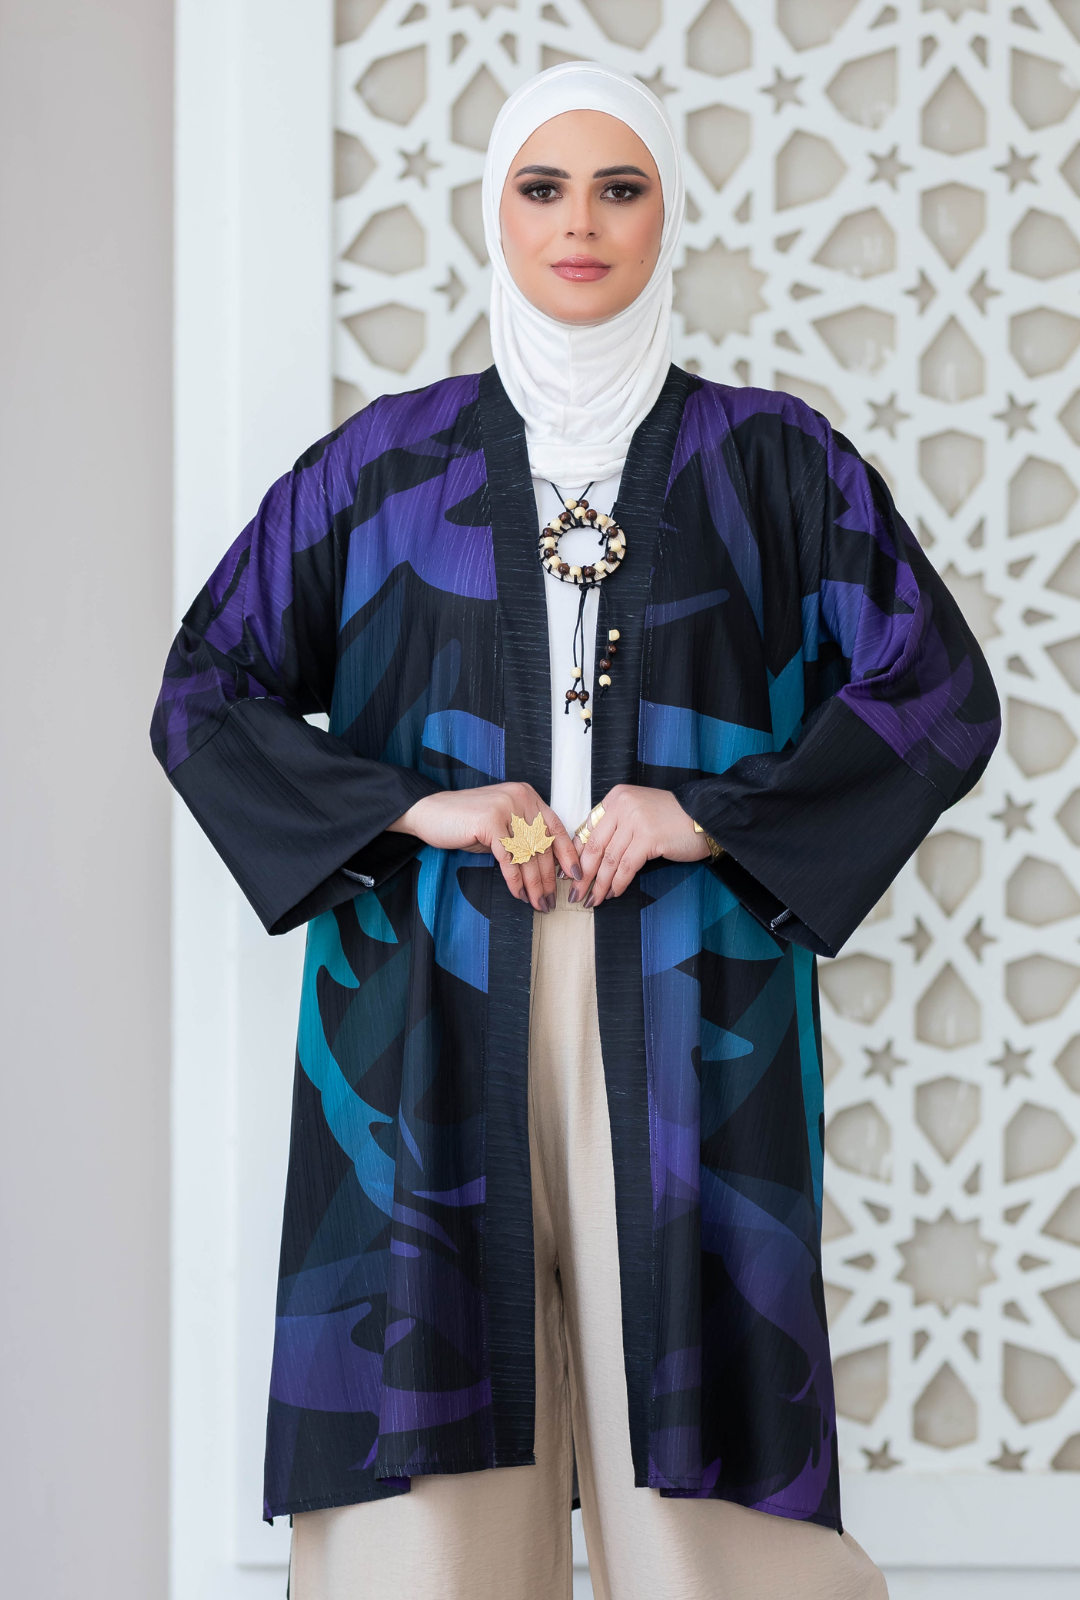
x=576 y=135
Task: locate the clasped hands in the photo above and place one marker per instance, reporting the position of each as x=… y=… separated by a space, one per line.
x=638 y=825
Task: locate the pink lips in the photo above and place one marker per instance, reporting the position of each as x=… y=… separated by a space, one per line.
x=581 y=269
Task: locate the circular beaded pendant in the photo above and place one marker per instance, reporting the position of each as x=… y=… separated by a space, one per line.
x=580 y=514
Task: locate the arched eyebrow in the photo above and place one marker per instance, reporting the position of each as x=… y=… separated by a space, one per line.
x=603 y=172
x=542 y=172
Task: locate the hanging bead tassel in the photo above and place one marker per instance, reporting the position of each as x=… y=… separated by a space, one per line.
x=606 y=661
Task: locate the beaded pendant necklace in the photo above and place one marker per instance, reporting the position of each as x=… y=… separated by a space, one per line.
x=580 y=514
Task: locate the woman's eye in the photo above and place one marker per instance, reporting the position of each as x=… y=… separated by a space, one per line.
x=543 y=192
x=621 y=192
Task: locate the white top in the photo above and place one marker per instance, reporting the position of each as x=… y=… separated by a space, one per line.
x=571 y=746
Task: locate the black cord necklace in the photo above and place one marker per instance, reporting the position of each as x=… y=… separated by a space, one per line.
x=579 y=514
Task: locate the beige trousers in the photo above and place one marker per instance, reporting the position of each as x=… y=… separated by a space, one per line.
x=505 y=1534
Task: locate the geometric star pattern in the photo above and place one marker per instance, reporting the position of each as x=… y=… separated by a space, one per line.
x=417 y=164
x=1018 y=168
x=1013 y=1063
x=1013 y=816
x=887 y=415
x=1009 y=1460
x=783 y=91
x=856 y=188
x=883 y=1063
x=889 y=168
x=1016 y=416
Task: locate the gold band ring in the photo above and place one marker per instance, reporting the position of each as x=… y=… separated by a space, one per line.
x=595 y=815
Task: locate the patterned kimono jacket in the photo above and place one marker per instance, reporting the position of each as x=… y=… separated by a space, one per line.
x=793 y=669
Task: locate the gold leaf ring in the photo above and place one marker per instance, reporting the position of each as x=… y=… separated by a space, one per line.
x=527 y=839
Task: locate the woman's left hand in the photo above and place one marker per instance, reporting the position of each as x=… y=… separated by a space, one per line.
x=638 y=825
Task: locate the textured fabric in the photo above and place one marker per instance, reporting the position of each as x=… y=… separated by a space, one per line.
x=571 y=749
x=505 y=1535
x=787 y=659
x=582 y=389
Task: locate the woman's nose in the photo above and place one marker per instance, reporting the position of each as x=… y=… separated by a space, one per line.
x=581 y=224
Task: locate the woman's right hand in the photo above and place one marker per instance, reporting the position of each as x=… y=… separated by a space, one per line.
x=479 y=819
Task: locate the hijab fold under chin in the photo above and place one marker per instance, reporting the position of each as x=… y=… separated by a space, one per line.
x=582 y=390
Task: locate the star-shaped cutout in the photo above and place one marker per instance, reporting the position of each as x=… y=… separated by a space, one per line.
x=880 y=1460
x=1016 y=416
x=976 y=940
x=982 y=293
x=1013 y=1063
x=887 y=415
x=453 y=289
x=784 y=91
x=889 y=168
x=919 y=939
x=1018 y=168
x=417 y=164
x=1009 y=1460
x=883 y=1062
x=946 y=1262
x=923 y=292
x=657 y=85
x=1014 y=816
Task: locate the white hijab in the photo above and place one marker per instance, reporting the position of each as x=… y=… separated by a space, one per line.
x=582 y=390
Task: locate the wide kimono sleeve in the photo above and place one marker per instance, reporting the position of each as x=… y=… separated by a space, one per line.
x=298 y=816
x=906 y=715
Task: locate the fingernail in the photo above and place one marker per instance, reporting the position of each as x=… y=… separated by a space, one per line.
x=523 y=896
x=577 y=872
x=550 y=902
x=559 y=873
x=589 y=901
x=572 y=897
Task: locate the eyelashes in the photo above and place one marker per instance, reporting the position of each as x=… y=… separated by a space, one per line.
x=545 y=193
x=629 y=191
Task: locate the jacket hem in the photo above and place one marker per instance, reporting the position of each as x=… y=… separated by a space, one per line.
x=387 y=1487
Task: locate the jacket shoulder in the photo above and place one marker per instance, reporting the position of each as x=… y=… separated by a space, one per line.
x=398 y=421
x=723 y=406
x=442 y=408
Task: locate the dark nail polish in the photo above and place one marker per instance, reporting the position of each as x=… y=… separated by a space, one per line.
x=550 y=902
x=589 y=901
x=523 y=896
x=578 y=874
x=573 y=897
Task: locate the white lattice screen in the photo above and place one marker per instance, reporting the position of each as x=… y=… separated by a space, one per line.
x=883 y=219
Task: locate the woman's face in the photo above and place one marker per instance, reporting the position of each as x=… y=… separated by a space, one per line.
x=582 y=215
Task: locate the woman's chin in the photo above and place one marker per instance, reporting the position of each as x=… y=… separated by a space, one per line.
x=580 y=305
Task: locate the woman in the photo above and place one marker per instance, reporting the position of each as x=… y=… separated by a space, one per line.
x=640 y=693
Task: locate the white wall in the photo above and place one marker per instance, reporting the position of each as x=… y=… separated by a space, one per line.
x=85 y=501
x=253 y=332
